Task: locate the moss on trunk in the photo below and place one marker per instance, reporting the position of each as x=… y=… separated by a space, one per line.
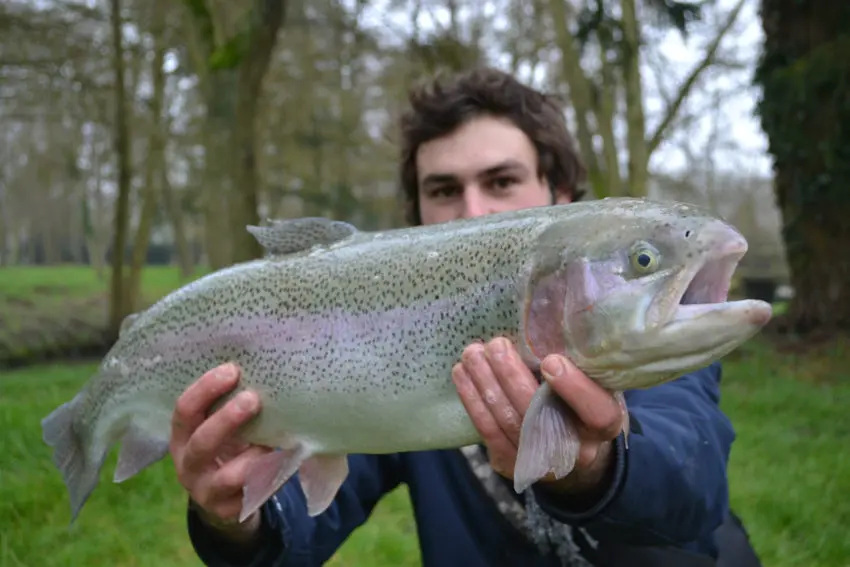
x=805 y=111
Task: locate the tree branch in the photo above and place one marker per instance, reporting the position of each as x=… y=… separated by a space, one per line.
x=579 y=87
x=692 y=78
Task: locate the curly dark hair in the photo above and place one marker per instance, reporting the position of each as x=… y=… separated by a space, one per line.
x=440 y=106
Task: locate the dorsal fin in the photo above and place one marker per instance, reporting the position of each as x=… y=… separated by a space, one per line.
x=296 y=235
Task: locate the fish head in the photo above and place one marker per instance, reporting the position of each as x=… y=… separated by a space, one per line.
x=643 y=297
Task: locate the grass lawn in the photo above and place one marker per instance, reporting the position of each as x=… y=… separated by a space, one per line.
x=788 y=471
x=788 y=468
x=140 y=522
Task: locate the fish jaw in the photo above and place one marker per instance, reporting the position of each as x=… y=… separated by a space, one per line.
x=689 y=323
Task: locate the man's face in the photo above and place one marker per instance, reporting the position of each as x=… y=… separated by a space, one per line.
x=486 y=166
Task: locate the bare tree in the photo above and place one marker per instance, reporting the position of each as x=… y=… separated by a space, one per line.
x=118 y=301
x=232 y=81
x=600 y=66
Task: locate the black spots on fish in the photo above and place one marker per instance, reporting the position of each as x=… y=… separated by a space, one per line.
x=388 y=324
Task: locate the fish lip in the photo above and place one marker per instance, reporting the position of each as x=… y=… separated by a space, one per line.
x=705 y=284
x=710 y=281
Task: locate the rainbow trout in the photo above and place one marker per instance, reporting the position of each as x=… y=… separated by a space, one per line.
x=349 y=337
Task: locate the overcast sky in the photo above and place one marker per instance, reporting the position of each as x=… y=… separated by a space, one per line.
x=739 y=121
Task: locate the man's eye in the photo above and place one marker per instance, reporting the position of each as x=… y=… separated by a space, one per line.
x=503 y=182
x=445 y=191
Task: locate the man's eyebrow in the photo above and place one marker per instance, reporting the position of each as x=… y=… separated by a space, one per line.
x=501 y=167
x=439 y=179
x=508 y=164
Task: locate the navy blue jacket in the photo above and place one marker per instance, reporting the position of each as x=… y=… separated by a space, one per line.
x=669 y=488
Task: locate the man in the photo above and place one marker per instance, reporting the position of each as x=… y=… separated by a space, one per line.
x=477 y=144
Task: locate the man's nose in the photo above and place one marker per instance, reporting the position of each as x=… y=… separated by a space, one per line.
x=474 y=202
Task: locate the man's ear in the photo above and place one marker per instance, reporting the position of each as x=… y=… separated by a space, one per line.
x=560 y=195
x=562 y=198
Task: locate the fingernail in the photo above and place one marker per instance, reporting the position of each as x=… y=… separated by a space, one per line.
x=473 y=352
x=225 y=372
x=552 y=367
x=497 y=347
x=246 y=402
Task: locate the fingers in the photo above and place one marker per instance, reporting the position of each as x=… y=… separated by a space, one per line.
x=502 y=450
x=491 y=393
x=219 y=429
x=211 y=465
x=514 y=377
x=193 y=405
x=599 y=413
x=220 y=491
x=496 y=387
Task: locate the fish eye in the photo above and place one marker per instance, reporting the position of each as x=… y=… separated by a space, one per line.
x=644 y=259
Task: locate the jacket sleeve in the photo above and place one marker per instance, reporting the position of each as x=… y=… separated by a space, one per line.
x=291 y=538
x=670 y=486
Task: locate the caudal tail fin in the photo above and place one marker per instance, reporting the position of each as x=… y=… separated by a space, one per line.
x=79 y=470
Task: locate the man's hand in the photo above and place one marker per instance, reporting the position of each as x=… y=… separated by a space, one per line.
x=211 y=464
x=496 y=388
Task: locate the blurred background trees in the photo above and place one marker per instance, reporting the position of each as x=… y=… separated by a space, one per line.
x=158 y=129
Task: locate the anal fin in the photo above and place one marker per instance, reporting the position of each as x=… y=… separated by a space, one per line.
x=269 y=473
x=548 y=441
x=321 y=476
x=139 y=450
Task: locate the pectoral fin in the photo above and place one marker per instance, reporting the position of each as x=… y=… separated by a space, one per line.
x=548 y=441
x=621 y=399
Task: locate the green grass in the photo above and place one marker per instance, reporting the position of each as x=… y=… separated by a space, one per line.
x=140 y=522
x=790 y=476
x=789 y=473
x=790 y=468
x=72 y=281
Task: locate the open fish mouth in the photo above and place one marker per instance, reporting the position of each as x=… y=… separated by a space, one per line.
x=706 y=287
x=694 y=321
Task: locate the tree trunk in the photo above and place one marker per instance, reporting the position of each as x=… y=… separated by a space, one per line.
x=636 y=131
x=580 y=91
x=803 y=73
x=117 y=303
x=820 y=276
x=93 y=209
x=267 y=19
x=233 y=88
x=154 y=165
x=175 y=212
